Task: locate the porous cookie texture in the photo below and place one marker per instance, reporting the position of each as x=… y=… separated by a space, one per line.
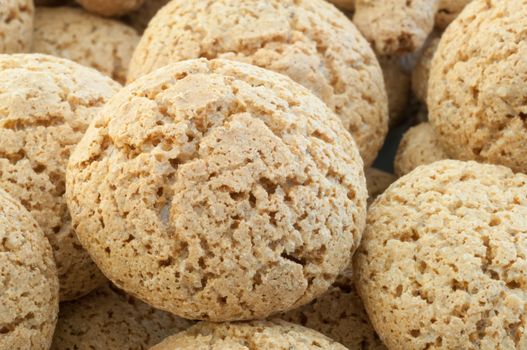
x=104 y=44
x=476 y=95
x=442 y=264
x=377 y=182
x=344 y=4
x=419 y=146
x=112 y=7
x=140 y=18
x=396 y=26
x=448 y=11
x=264 y=335
x=218 y=190
x=308 y=40
x=108 y=318
x=421 y=71
x=397 y=83
x=47 y=104
x=16 y=25
x=29 y=298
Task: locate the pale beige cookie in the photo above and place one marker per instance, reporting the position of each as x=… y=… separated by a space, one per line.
x=236 y=194
x=16 y=25
x=477 y=89
x=29 y=288
x=395 y=26
x=421 y=71
x=107 y=318
x=419 y=146
x=47 y=103
x=348 y=5
x=309 y=40
x=111 y=8
x=448 y=11
x=442 y=264
x=261 y=335
x=140 y=18
x=377 y=181
x=104 y=44
x=397 y=83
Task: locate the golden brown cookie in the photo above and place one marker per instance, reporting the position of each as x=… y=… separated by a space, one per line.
x=448 y=11
x=309 y=40
x=442 y=264
x=419 y=146
x=261 y=335
x=47 y=103
x=29 y=288
x=421 y=71
x=16 y=25
x=107 y=318
x=377 y=181
x=109 y=8
x=140 y=18
x=218 y=190
x=395 y=26
x=104 y=44
x=397 y=83
x=477 y=89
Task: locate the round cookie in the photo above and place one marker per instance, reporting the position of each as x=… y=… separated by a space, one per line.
x=377 y=182
x=421 y=71
x=442 y=264
x=477 y=89
x=397 y=83
x=275 y=334
x=47 y=104
x=16 y=25
x=107 y=318
x=235 y=195
x=419 y=146
x=448 y=11
x=29 y=298
x=396 y=26
x=104 y=44
x=309 y=40
x=111 y=8
x=140 y=18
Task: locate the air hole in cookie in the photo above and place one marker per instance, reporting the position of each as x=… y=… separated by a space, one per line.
x=39 y=168
x=252 y=200
x=494 y=221
x=56 y=229
x=129 y=239
x=165 y=262
x=268 y=185
x=523 y=116
x=107 y=250
x=415 y=333
x=513 y=285
x=174 y=163
x=237 y=196
x=293 y=259
x=399 y=291
x=272 y=218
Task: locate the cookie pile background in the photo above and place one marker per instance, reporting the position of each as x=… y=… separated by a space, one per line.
x=263 y=174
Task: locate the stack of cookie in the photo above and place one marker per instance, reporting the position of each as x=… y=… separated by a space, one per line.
x=199 y=174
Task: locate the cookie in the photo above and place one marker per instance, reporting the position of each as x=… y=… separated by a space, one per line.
x=49 y=2
x=16 y=25
x=397 y=26
x=47 y=103
x=250 y=335
x=140 y=18
x=29 y=297
x=107 y=318
x=104 y=44
x=448 y=11
x=377 y=182
x=421 y=71
x=111 y=8
x=348 y=5
x=476 y=94
x=235 y=194
x=442 y=264
x=310 y=41
x=419 y=146
x=397 y=83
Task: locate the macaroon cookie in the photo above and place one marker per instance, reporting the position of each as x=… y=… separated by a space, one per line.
x=110 y=8
x=309 y=40
x=29 y=299
x=104 y=44
x=477 y=87
x=442 y=264
x=47 y=103
x=218 y=190
x=250 y=335
x=16 y=25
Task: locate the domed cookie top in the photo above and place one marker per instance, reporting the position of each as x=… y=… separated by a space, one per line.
x=309 y=40
x=107 y=318
x=443 y=260
x=111 y=7
x=218 y=190
x=104 y=44
x=264 y=335
x=29 y=297
x=16 y=25
x=47 y=103
x=477 y=89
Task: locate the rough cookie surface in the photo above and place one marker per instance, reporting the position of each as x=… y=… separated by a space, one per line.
x=308 y=40
x=47 y=104
x=218 y=190
x=448 y=11
x=29 y=297
x=421 y=71
x=377 y=182
x=395 y=26
x=104 y=44
x=111 y=7
x=476 y=95
x=107 y=318
x=397 y=83
x=442 y=264
x=264 y=335
x=140 y=18
x=419 y=146
x=16 y=25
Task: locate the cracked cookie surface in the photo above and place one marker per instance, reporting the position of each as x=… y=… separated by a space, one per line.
x=16 y=25
x=218 y=190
